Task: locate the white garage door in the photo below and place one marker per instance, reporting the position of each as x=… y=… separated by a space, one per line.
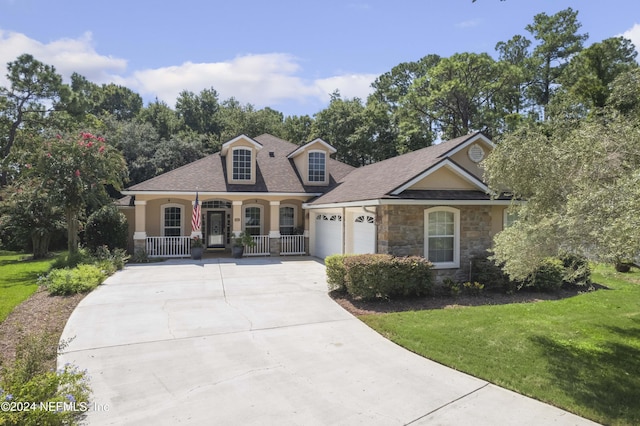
x=328 y=234
x=364 y=233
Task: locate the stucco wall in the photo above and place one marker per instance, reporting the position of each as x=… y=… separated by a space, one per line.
x=401 y=233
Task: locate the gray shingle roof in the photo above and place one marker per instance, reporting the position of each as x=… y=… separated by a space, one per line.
x=273 y=173
x=378 y=180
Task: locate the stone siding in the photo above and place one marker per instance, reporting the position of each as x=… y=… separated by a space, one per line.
x=401 y=233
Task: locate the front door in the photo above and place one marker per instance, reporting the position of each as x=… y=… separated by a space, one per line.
x=215 y=229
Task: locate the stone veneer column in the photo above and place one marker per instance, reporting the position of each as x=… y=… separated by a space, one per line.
x=140 y=233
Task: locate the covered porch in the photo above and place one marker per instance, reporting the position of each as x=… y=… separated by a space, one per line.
x=161 y=224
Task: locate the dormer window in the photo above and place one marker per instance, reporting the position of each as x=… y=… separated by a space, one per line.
x=241 y=164
x=317 y=166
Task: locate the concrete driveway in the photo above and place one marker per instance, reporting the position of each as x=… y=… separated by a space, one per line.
x=259 y=342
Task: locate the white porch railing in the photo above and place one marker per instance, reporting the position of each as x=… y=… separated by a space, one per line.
x=261 y=248
x=168 y=246
x=292 y=244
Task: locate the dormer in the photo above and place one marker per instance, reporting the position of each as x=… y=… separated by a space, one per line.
x=311 y=161
x=240 y=154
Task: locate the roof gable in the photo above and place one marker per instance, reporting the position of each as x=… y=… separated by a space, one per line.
x=390 y=177
x=460 y=174
x=242 y=140
x=314 y=144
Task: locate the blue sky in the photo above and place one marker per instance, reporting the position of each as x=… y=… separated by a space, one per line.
x=288 y=55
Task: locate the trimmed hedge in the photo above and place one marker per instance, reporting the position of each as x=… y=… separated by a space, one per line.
x=336 y=274
x=373 y=276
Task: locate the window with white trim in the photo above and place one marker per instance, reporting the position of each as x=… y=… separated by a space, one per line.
x=171 y=220
x=509 y=218
x=442 y=237
x=241 y=164
x=287 y=220
x=253 y=219
x=317 y=166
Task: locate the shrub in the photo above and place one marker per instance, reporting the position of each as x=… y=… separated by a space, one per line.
x=106 y=227
x=117 y=257
x=336 y=273
x=80 y=279
x=548 y=275
x=473 y=288
x=370 y=276
x=576 y=269
x=485 y=271
x=453 y=287
x=71 y=260
x=141 y=256
x=29 y=379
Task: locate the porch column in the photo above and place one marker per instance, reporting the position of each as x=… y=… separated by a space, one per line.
x=140 y=233
x=308 y=214
x=274 y=228
x=237 y=218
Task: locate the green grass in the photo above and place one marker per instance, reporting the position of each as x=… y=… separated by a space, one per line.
x=18 y=279
x=581 y=354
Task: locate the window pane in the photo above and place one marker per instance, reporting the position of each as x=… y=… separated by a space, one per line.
x=172 y=221
x=286 y=220
x=242 y=164
x=252 y=220
x=316 y=167
x=441 y=249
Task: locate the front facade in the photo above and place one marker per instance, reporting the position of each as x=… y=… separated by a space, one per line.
x=257 y=185
x=297 y=200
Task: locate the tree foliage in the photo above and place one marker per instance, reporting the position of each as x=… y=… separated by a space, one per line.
x=581 y=189
x=76 y=170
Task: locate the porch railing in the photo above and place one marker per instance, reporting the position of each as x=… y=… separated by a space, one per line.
x=292 y=244
x=261 y=248
x=168 y=246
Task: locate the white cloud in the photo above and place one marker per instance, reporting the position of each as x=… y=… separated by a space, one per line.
x=633 y=34
x=273 y=79
x=349 y=85
x=67 y=55
x=468 y=24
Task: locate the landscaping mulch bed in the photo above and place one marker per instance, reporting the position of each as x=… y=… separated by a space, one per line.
x=41 y=314
x=372 y=307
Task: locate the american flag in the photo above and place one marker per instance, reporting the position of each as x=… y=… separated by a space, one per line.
x=195 y=219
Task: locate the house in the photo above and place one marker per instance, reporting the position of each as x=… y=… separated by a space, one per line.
x=298 y=200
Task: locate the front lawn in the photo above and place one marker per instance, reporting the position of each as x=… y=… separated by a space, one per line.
x=581 y=354
x=18 y=279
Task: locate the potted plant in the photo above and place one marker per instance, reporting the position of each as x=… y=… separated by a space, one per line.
x=241 y=241
x=197 y=247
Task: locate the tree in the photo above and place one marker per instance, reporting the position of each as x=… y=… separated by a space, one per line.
x=591 y=72
x=297 y=129
x=341 y=125
x=199 y=112
x=30 y=216
x=558 y=42
x=582 y=191
x=461 y=94
x=400 y=118
x=76 y=171
x=119 y=101
x=164 y=120
x=32 y=85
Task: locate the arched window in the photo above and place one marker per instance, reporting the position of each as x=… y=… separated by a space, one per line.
x=171 y=220
x=442 y=237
